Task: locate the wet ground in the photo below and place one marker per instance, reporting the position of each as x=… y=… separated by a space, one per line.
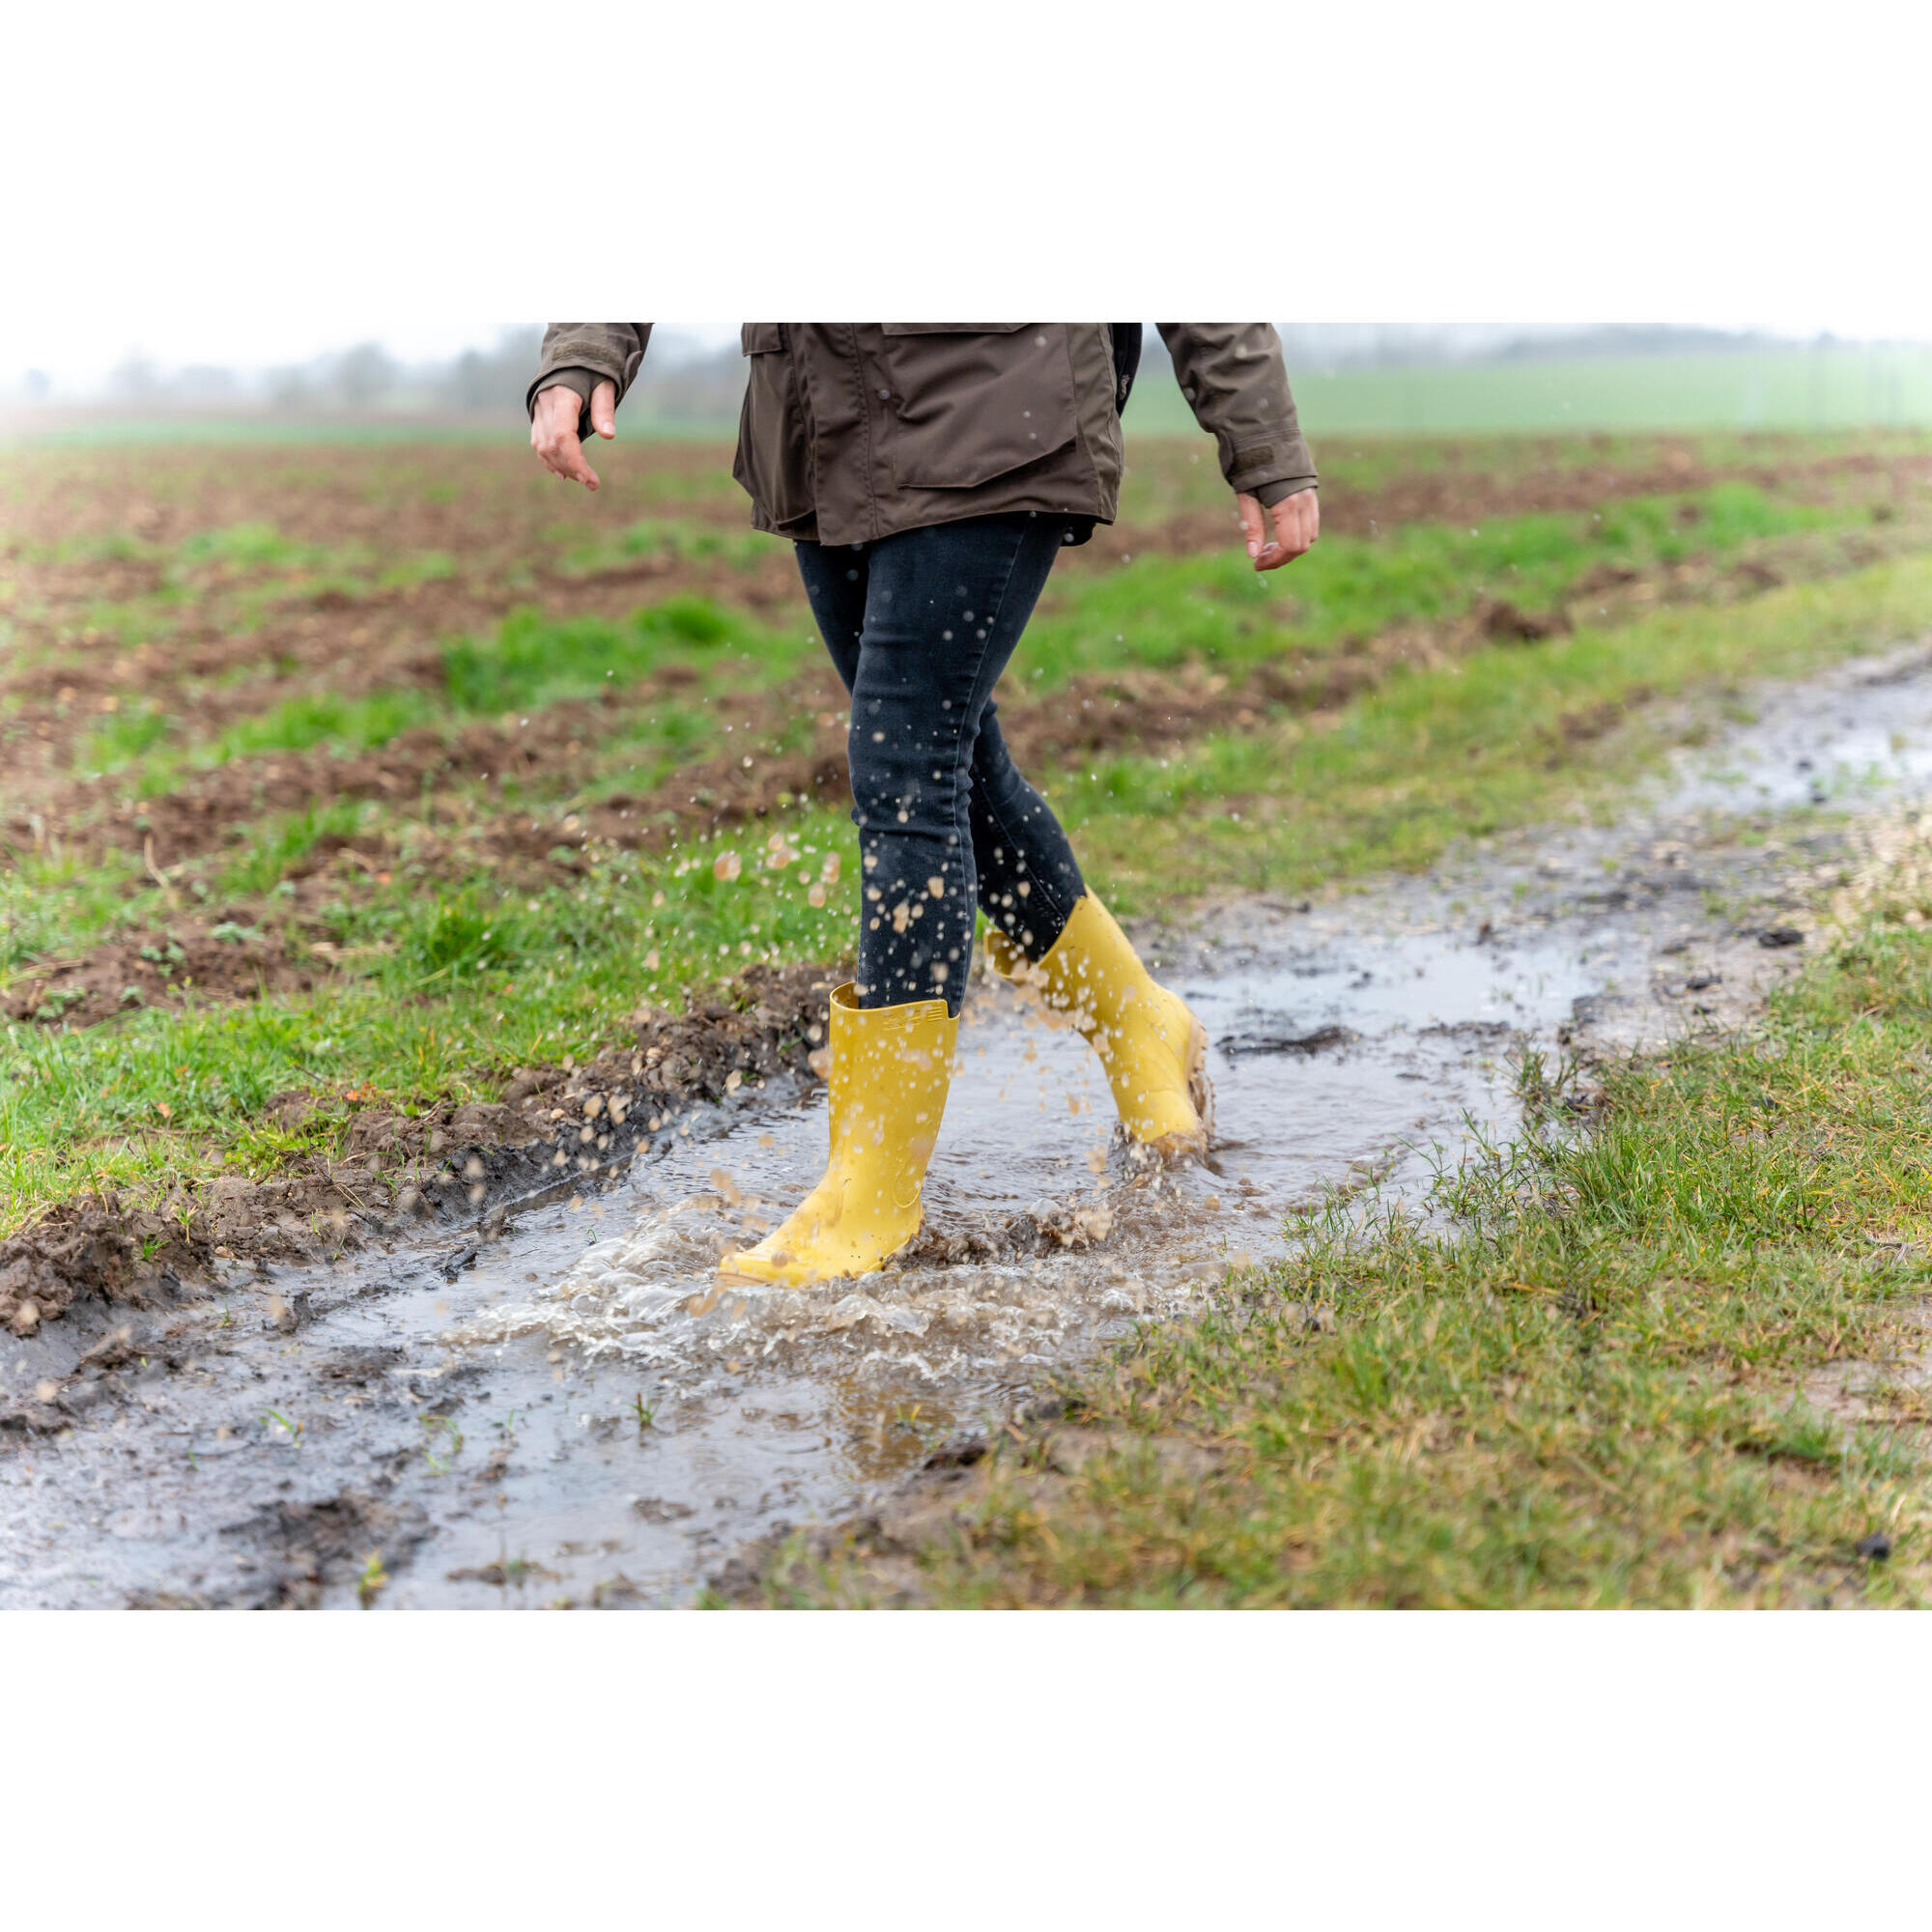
x=576 y=1413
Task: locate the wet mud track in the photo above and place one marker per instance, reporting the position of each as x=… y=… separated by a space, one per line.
x=575 y=1411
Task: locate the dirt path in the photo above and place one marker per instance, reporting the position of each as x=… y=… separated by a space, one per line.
x=554 y=1404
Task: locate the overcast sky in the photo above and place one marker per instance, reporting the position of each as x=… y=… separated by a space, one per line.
x=226 y=184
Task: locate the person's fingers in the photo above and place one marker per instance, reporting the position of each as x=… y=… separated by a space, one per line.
x=1254 y=525
x=603 y=408
x=1297 y=522
x=553 y=437
x=573 y=468
x=1292 y=526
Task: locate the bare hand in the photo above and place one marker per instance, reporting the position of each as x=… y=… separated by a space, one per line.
x=554 y=429
x=1297 y=523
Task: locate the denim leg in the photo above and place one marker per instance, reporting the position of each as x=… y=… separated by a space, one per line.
x=835 y=586
x=1028 y=878
x=920 y=627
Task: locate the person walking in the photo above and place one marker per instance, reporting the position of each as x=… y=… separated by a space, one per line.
x=928 y=475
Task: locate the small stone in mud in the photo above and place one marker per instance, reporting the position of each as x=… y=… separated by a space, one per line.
x=1317 y=1041
x=1780 y=935
x=1874 y=1548
x=26 y=1318
x=656 y=1509
x=1700 y=982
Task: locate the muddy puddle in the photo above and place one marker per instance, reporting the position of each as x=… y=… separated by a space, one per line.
x=577 y=1412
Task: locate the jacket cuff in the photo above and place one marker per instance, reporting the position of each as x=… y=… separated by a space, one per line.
x=1284 y=461
x=1268 y=495
x=580 y=382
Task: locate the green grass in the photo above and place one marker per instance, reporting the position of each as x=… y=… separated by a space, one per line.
x=124 y=739
x=1589 y=1388
x=680 y=542
x=253 y=545
x=1814 y=389
x=533 y=660
x=1161 y=610
x=1503 y=737
x=526 y=661
x=281 y=841
x=457 y=985
x=49 y=904
x=346 y=724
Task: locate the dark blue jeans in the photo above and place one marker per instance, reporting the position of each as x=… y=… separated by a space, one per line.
x=920 y=627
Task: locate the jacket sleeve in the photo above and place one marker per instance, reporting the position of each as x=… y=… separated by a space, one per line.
x=577 y=355
x=1234 y=381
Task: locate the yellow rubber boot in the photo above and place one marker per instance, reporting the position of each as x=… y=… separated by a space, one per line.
x=890 y=1067
x=1154 y=1050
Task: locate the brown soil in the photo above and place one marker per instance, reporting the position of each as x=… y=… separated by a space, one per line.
x=352 y=641
x=347 y=649
x=173 y=967
x=1468 y=495
x=1135 y=712
x=212 y=809
x=374 y=1169
x=1125 y=710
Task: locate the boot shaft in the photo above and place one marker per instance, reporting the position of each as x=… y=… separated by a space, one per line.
x=1091 y=972
x=891 y=1069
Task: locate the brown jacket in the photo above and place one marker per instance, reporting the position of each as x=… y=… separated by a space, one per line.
x=853 y=431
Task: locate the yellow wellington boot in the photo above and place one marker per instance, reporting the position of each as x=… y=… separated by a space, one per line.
x=1154 y=1050
x=890 y=1067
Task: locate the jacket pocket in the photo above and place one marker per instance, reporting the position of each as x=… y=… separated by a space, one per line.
x=773 y=463
x=969 y=402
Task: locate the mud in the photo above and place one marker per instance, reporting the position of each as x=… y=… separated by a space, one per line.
x=209 y=813
x=1139 y=712
x=166 y=967
x=350 y=645
x=355 y=635
x=375 y=1173
x=558 y=1404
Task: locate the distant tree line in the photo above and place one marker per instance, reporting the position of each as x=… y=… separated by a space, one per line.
x=685 y=381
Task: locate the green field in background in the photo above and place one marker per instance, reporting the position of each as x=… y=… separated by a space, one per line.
x=1792 y=390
